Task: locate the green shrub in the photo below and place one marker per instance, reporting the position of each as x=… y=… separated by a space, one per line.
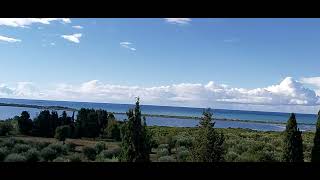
x=183 y=141
x=113 y=130
x=107 y=154
x=231 y=156
x=182 y=154
x=62 y=132
x=166 y=159
x=248 y=157
x=76 y=157
x=162 y=152
x=71 y=147
x=114 y=159
x=15 y=158
x=59 y=148
x=32 y=155
x=9 y=143
x=3 y=153
x=21 y=148
x=60 y=159
x=163 y=146
x=40 y=145
x=5 y=128
x=90 y=153
x=48 y=154
x=100 y=146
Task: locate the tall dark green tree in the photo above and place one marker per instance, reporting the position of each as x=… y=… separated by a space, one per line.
x=136 y=142
x=90 y=122
x=209 y=144
x=64 y=118
x=293 y=147
x=54 y=123
x=25 y=123
x=45 y=124
x=315 y=153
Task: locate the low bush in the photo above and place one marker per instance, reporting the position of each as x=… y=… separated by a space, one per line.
x=182 y=154
x=231 y=156
x=48 y=154
x=100 y=146
x=40 y=145
x=71 y=147
x=163 y=146
x=9 y=143
x=90 y=153
x=108 y=154
x=162 y=152
x=15 y=158
x=32 y=155
x=5 y=128
x=76 y=157
x=60 y=159
x=59 y=148
x=3 y=153
x=166 y=159
x=21 y=148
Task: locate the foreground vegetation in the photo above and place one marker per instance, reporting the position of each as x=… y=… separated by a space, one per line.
x=172 y=144
x=96 y=136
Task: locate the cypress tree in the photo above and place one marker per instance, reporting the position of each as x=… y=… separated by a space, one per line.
x=293 y=148
x=136 y=141
x=315 y=154
x=209 y=144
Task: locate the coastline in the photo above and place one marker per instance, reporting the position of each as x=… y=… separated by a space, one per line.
x=147 y=115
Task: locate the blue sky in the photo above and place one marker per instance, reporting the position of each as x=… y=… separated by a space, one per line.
x=49 y=58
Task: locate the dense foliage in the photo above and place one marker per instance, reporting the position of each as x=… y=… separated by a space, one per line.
x=293 y=148
x=209 y=144
x=5 y=128
x=25 y=123
x=62 y=132
x=315 y=156
x=91 y=123
x=136 y=140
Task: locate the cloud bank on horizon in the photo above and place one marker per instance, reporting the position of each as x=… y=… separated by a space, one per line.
x=287 y=94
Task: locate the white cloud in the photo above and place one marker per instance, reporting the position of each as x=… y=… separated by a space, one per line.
x=289 y=95
x=77 y=27
x=127 y=45
x=25 y=22
x=312 y=81
x=178 y=20
x=73 y=38
x=52 y=44
x=9 y=39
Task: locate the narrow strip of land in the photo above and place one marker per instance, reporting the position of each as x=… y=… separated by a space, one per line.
x=147 y=115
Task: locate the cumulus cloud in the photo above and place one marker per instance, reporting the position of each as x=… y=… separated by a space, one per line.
x=312 y=81
x=77 y=27
x=9 y=39
x=73 y=38
x=25 y=22
x=22 y=90
x=127 y=45
x=178 y=20
x=288 y=95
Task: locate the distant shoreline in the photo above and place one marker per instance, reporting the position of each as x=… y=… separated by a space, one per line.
x=39 y=107
x=147 y=115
